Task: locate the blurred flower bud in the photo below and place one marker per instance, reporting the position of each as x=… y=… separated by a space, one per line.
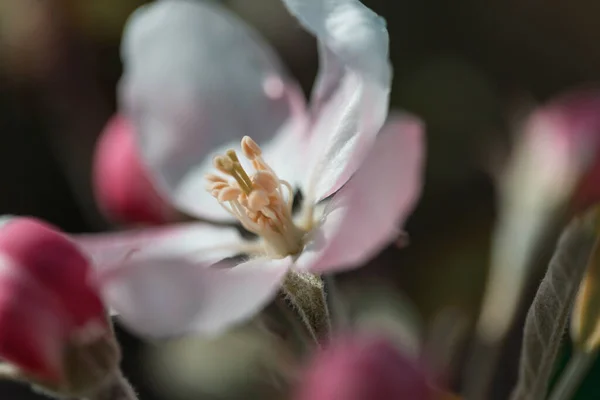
x=53 y=326
x=364 y=368
x=122 y=186
x=579 y=112
x=552 y=158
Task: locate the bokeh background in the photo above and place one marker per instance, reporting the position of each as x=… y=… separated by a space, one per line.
x=469 y=68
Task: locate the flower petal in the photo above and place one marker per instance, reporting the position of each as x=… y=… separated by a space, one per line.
x=122 y=186
x=198 y=79
x=367 y=213
x=51 y=259
x=350 y=98
x=195 y=241
x=33 y=324
x=174 y=296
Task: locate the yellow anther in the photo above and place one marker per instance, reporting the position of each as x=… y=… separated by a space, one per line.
x=265 y=180
x=257 y=200
x=229 y=194
x=250 y=149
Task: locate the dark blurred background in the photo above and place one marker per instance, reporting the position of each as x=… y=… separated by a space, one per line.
x=467 y=67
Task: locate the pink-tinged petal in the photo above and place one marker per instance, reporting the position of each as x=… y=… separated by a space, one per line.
x=51 y=259
x=33 y=324
x=350 y=98
x=122 y=184
x=368 y=212
x=196 y=241
x=173 y=296
x=198 y=79
x=364 y=368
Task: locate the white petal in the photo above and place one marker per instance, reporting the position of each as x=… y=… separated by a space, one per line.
x=171 y=297
x=195 y=241
x=197 y=79
x=350 y=99
x=368 y=212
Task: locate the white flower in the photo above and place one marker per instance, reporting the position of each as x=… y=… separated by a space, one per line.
x=198 y=81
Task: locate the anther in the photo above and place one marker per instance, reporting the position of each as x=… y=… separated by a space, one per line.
x=257 y=200
x=214 y=178
x=229 y=194
x=216 y=186
x=265 y=180
x=250 y=149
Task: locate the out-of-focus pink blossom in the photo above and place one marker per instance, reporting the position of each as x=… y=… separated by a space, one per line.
x=577 y=115
x=192 y=103
x=123 y=189
x=555 y=164
x=364 y=368
x=47 y=301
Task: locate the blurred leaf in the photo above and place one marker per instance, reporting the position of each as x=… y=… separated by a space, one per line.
x=548 y=316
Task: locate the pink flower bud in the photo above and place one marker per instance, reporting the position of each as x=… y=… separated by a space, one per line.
x=575 y=117
x=580 y=114
x=46 y=300
x=364 y=368
x=33 y=325
x=122 y=184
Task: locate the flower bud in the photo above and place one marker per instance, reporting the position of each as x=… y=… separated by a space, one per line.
x=122 y=185
x=53 y=326
x=364 y=368
x=581 y=122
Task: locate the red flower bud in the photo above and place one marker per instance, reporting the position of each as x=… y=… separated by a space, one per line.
x=123 y=186
x=47 y=302
x=364 y=368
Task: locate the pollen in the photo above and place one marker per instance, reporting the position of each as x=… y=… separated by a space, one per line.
x=260 y=201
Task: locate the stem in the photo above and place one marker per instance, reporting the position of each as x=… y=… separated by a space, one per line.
x=571 y=378
x=117 y=389
x=304 y=293
x=301 y=330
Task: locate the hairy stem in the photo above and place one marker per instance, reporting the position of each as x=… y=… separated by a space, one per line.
x=305 y=293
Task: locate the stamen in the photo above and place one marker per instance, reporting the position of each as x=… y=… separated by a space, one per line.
x=216 y=186
x=259 y=201
x=214 y=178
x=250 y=149
x=290 y=200
x=229 y=194
x=266 y=181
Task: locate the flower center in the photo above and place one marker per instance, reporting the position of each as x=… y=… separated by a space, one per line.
x=259 y=201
